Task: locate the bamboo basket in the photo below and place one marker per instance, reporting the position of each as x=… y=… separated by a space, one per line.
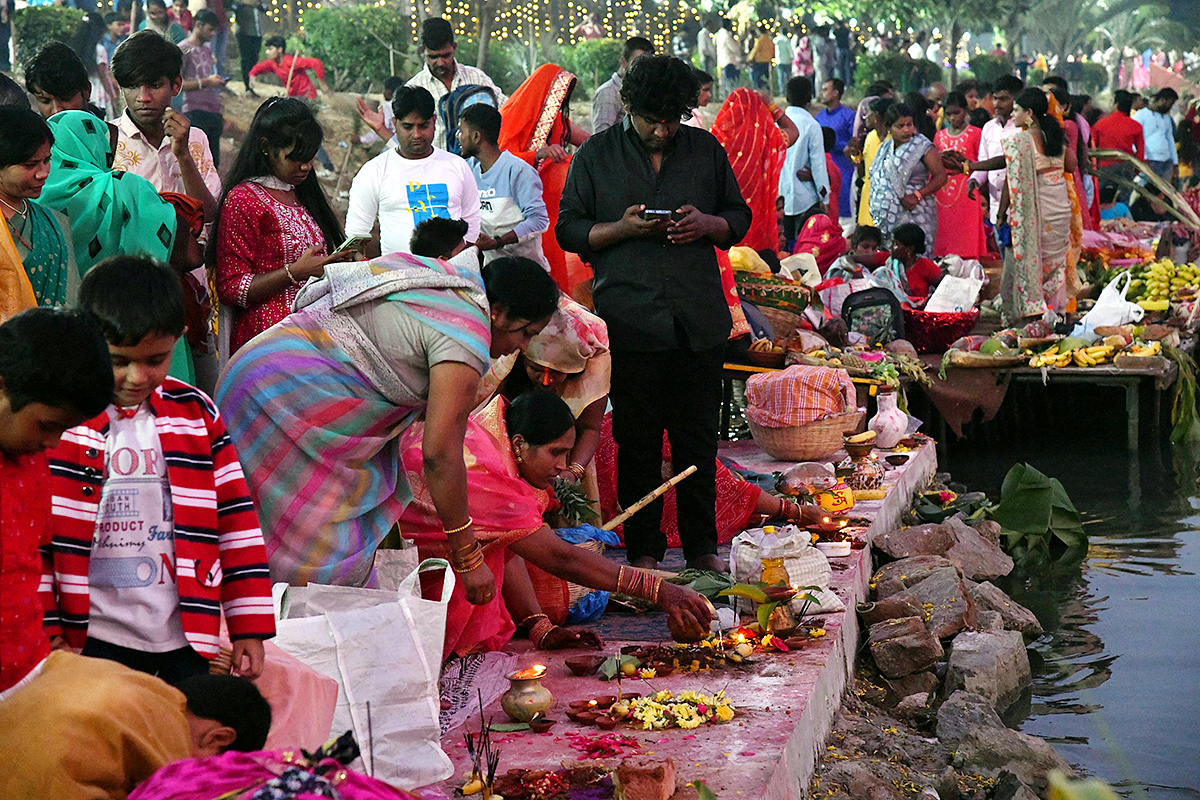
x=817 y=439
x=784 y=323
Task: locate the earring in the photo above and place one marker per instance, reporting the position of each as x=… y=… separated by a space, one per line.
x=517 y=454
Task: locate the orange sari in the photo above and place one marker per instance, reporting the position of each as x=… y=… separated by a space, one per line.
x=756 y=149
x=534 y=117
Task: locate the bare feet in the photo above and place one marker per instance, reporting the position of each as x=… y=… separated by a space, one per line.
x=644 y=562
x=710 y=562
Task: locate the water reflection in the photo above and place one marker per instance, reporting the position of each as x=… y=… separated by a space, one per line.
x=1116 y=686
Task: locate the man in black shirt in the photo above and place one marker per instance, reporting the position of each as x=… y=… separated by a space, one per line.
x=645 y=203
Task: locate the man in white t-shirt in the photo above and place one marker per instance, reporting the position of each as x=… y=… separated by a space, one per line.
x=413 y=181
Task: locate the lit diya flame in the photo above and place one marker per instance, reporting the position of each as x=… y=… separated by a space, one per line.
x=591 y=703
x=536 y=671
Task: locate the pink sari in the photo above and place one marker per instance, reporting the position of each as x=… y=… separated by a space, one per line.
x=505 y=508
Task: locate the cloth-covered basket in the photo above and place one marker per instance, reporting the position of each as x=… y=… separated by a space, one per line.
x=801 y=412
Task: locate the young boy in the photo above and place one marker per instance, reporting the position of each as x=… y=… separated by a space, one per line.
x=225 y=712
x=512 y=213
x=58 y=81
x=82 y=728
x=157 y=536
x=155 y=141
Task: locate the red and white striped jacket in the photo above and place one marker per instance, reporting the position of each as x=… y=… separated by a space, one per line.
x=220 y=560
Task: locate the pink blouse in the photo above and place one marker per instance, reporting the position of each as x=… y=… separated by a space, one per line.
x=259 y=234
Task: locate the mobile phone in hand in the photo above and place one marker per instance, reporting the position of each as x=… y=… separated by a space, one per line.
x=353 y=243
x=656 y=214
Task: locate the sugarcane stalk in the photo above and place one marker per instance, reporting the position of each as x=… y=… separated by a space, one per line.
x=648 y=499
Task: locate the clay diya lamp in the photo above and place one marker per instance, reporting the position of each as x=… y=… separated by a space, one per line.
x=584 y=666
x=896 y=459
x=526 y=697
x=541 y=724
x=605 y=723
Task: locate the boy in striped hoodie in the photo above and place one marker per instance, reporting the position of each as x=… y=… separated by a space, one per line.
x=155 y=533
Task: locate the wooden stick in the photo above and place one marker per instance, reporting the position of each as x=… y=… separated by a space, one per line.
x=645 y=501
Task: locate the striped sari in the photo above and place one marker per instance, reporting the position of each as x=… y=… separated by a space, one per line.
x=316 y=412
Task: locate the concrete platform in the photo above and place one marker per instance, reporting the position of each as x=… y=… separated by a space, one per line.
x=785 y=702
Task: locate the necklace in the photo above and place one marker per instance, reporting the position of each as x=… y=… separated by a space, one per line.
x=271 y=182
x=24 y=210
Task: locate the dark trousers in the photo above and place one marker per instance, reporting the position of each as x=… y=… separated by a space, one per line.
x=677 y=391
x=249 y=48
x=793 y=223
x=760 y=74
x=213 y=124
x=172 y=666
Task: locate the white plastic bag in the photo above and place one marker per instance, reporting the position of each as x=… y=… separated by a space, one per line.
x=954 y=295
x=805 y=564
x=383 y=648
x=1112 y=309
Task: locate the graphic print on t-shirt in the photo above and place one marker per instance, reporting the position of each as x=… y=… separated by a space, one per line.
x=428 y=200
x=132 y=573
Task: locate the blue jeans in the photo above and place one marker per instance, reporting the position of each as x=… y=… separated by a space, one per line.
x=730 y=75
x=784 y=74
x=218 y=47
x=760 y=74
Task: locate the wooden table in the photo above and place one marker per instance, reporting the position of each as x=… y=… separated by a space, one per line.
x=1130 y=379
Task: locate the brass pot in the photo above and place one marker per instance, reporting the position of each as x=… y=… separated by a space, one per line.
x=526 y=697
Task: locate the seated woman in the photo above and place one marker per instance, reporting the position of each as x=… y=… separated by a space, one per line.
x=513 y=453
x=36 y=257
x=864 y=256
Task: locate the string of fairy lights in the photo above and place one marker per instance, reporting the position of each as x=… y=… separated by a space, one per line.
x=539 y=20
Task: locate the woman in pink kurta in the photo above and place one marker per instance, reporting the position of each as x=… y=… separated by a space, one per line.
x=960 y=229
x=275 y=228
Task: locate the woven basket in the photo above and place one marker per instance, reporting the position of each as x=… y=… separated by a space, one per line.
x=784 y=323
x=555 y=595
x=817 y=439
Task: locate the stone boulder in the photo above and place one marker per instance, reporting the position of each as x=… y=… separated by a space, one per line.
x=919 y=540
x=892 y=607
x=1009 y=787
x=917 y=683
x=993 y=664
x=963 y=712
x=897 y=576
x=1015 y=616
x=988 y=529
x=994 y=750
x=988 y=620
x=976 y=557
x=945 y=605
x=912 y=708
x=903 y=646
x=860 y=782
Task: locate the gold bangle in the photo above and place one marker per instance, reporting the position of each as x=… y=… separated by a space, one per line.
x=470 y=521
x=522 y=623
x=288 y=269
x=462 y=570
x=577 y=469
x=540 y=630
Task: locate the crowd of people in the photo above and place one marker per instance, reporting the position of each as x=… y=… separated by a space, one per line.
x=438 y=359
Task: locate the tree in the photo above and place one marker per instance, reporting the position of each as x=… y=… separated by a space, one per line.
x=1148 y=26
x=1067 y=24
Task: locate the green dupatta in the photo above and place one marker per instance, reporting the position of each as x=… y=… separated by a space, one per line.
x=111 y=212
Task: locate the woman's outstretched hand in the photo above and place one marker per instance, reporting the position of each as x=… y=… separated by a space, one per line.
x=560 y=638
x=688 y=613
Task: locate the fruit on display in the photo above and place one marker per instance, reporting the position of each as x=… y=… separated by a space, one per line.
x=764 y=346
x=1158 y=281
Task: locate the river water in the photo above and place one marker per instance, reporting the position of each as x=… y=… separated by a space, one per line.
x=1116 y=677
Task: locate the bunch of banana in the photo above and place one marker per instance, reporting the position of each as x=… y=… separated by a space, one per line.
x=762 y=345
x=1050 y=358
x=1151 y=349
x=1164 y=279
x=1092 y=356
x=861 y=438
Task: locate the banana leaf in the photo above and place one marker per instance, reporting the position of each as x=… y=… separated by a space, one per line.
x=1035 y=511
x=746 y=590
x=705 y=582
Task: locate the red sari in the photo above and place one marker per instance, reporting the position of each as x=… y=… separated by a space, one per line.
x=756 y=149
x=535 y=117
x=505 y=509
x=960 y=230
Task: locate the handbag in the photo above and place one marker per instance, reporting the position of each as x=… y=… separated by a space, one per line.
x=384 y=649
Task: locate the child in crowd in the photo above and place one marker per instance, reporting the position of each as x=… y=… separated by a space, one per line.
x=1110 y=206
x=864 y=255
x=908 y=248
x=438 y=237
x=71 y=726
x=58 y=81
x=385 y=108
x=156 y=533
x=835 y=175
x=225 y=712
